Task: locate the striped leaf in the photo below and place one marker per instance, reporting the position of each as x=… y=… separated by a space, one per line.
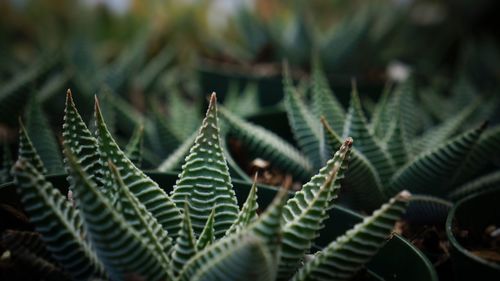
x=396 y=145
x=305 y=127
x=57 y=221
x=245 y=103
x=146 y=190
x=133 y=151
x=356 y=127
x=431 y=172
x=139 y=218
x=341 y=259
x=185 y=246
x=248 y=212
x=325 y=103
x=43 y=138
x=266 y=144
x=361 y=179
x=483 y=183
x=306 y=211
x=175 y=160
x=240 y=257
x=205 y=179
x=207 y=236
x=383 y=113
x=427 y=210
x=122 y=250
x=444 y=131
x=167 y=139
x=78 y=138
x=482 y=155
x=27 y=151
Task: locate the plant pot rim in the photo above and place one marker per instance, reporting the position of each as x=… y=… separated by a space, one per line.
x=451 y=236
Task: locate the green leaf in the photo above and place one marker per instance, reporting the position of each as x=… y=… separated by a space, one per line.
x=341 y=259
x=238 y=257
x=121 y=249
x=185 y=246
x=205 y=179
x=324 y=101
x=146 y=190
x=207 y=236
x=133 y=151
x=57 y=221
x=43 y=138
x=182 y=124
x=244 y=104
x=248 y=212
x=177 y=157
x=306 y=211
x=408 y=110
x=306 y=128
x=442 y=132
x=397 y=146
x=483 y=154
x=78 y=138
x=152 y=70
x=483 y=183
x=431 y=172
x=136 y=215
x=361 y=179
x=168 y=141
x=383 y=114
x=356 y=127
x=266 y=144
x=27 y=151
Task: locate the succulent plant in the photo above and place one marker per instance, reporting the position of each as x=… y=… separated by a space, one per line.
x=393 y=149
x=123 y=225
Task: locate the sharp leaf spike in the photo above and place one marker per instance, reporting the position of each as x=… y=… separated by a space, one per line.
x=121 y=249
x=78 y=138
x=306 y=211
x=248 y=212
x=146 y=190
x=207 y=236
x=205 y=179
x=307 y=131
x=185 y=246
x=356 y=127
x=27 y=151
x=341 y=259
x=133 y=151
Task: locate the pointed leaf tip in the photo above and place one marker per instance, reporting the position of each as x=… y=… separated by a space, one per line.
x=404 y=195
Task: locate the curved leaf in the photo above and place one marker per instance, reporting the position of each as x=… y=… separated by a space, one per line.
x=356 y=127
x=27 y=151
x=121 y=249
x=306 y=211
x=341 y=259
x=486 y=182
x=133 y=151
x=431 y=172
x=268 y=145
x=306 y=129
x=57 y=221
x=146 y=190
x=185 y=246
x=175 y=160
x=248 y=212
x=207 y=236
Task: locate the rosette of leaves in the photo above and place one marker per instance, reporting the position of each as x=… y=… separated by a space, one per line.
x=123 y=225
x=399 y=146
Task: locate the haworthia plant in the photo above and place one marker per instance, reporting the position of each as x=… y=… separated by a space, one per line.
x=124 y=224
x=205 y=179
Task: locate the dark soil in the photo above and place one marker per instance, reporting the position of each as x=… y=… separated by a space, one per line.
x=432 y=241
x=484 y=243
